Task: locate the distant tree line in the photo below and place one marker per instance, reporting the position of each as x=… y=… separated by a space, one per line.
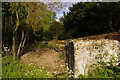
x=91 y=18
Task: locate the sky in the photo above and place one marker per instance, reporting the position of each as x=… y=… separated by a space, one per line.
x=66 y=9
x=59 y=8
x=69 y=3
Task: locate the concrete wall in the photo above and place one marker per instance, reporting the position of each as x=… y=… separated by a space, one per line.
x=87 y=52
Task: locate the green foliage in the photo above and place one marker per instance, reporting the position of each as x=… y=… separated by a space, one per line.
x=38 y=16
x=24 y=23
x=9 y=20
x=56 y=30
x=86 y=19
x=16 y=69
x=38 y=46
x=82 y=76
x=104 y=69
x=106 y=72
x=101 y=70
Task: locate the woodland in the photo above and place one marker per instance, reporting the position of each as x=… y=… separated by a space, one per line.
x=26 y=23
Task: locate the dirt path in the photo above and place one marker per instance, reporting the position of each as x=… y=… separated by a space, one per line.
x=44 y=57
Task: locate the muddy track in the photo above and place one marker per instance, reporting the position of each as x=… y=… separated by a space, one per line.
x=44 y=57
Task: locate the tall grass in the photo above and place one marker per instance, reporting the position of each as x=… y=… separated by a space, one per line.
x=16 y=69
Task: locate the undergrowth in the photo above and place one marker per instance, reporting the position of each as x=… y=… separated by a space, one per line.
x=16 y=69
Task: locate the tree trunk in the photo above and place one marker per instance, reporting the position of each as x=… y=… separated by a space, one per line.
x=20 y=45
x=14 y=35
x=24 y=41
x=17 y=21
x=13 y=46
